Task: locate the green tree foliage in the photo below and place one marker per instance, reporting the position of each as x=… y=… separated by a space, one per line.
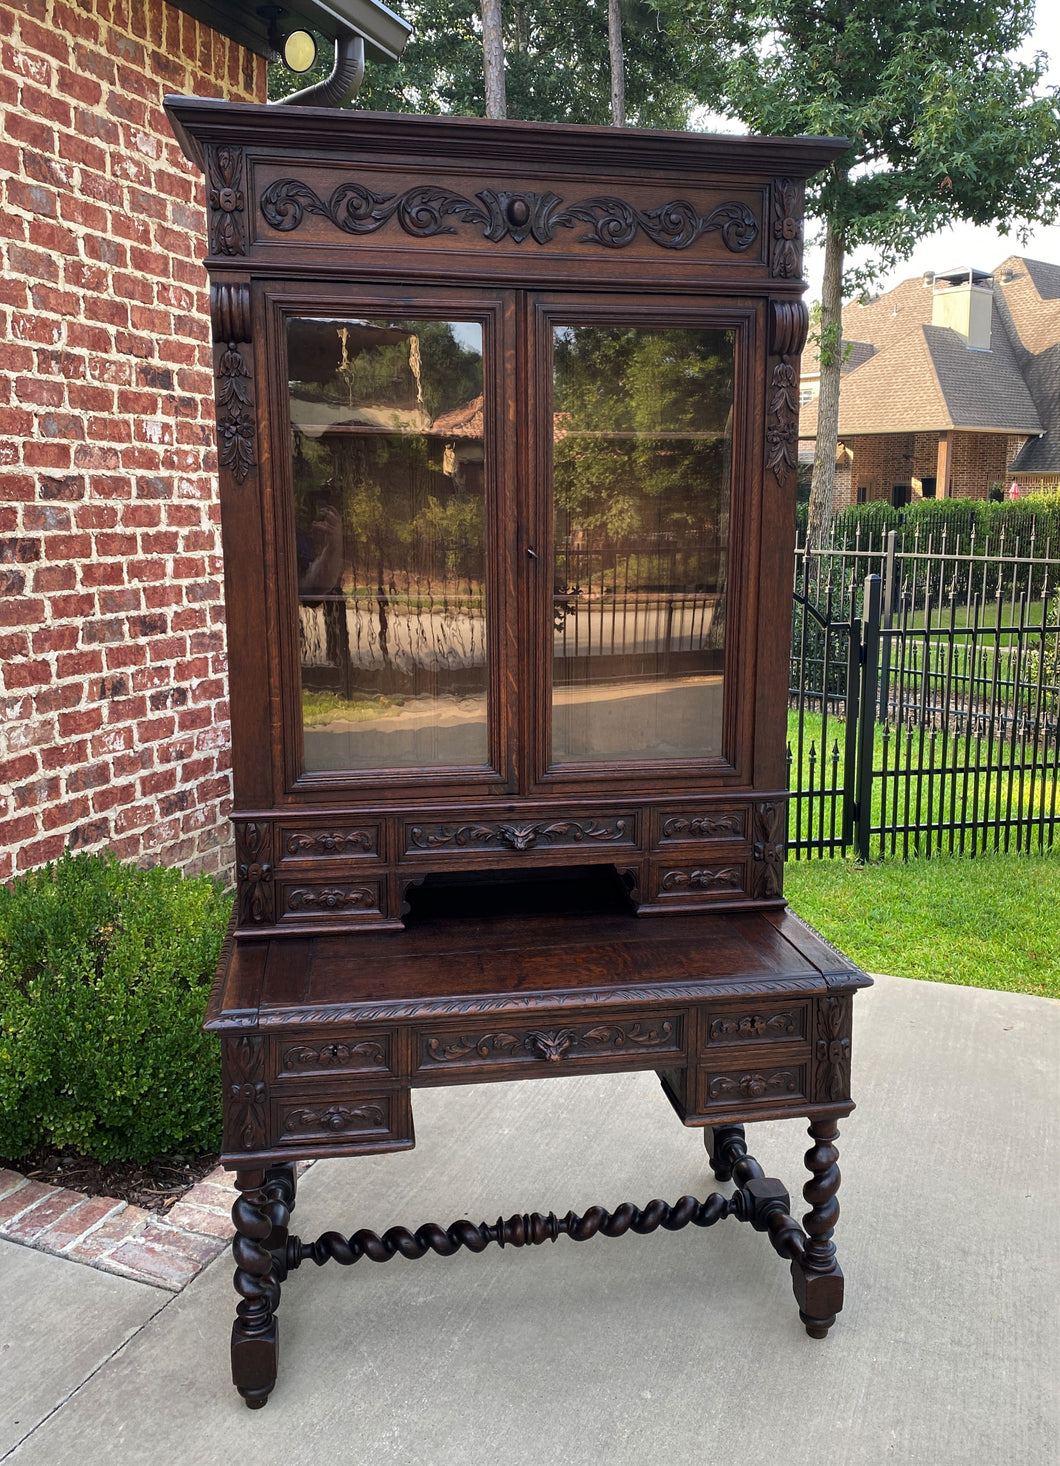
x=556 y=63
x=943 y=125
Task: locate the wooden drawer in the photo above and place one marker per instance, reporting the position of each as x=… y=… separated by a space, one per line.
x=770 y=1085
x=509 y=1047
x=762 y=1022
x=691 y=880
x=728 y=823
x=586 y=833
x=333 y=1054
x=323 y=900
x=340 y=840
x=344 y=1118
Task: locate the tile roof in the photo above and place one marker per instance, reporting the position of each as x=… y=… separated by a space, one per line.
x=905 y=375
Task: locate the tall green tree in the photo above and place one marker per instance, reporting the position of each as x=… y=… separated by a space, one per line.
x=557 y=63
x=943 y=125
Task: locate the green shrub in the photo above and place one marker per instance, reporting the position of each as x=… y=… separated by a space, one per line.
x=104 y=974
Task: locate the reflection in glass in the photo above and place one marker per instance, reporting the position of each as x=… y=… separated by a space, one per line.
x=387 y=444
x=642 y=433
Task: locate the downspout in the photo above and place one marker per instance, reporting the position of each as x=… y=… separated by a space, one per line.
x=343 y=83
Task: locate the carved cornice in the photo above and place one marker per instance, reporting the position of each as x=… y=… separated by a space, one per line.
x=786 y=258
x=833 y=1048
x=254 y=869
x=230 y=313
x=503 y=214
x=225 y=196
x=521 y=835
x=767 y=872
x=247 y=1095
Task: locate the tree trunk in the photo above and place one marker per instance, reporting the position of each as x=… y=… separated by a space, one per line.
x=493 y=58
x=618 y=63
x=822 y=491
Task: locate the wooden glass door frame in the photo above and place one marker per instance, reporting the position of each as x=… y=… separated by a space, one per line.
x=744 y=317
x=278 y=302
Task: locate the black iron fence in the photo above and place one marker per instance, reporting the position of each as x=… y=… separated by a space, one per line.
x=924 y=698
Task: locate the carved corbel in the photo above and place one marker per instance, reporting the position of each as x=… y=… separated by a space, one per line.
x=230 y=323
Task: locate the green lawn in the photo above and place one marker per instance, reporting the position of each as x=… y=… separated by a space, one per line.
x=989 y=922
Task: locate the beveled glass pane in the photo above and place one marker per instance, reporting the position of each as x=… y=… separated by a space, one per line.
x=388 y=482
x=642 y=435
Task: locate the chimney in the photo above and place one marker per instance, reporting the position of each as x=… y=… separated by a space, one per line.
x=963 y=300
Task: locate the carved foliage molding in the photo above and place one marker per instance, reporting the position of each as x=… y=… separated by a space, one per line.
x=751 y=1026
x=833 y=1048
x=227 y=201
x=331 y=898
x=767 y=872
x=329 y=842
x=245 y=1111
x=753 y=1085
x=426 y=211
x=782 y=421
x=301 y=1058
x=521 y=836
x=334 y=1119
x=728 y=878
x=236 y=451
x=727 y=826
x=551 y=1045
x=254 y=869
x=786 y=258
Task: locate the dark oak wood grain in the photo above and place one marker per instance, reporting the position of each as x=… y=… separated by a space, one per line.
x=531 y=914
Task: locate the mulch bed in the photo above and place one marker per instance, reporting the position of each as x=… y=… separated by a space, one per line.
x=155 y=1186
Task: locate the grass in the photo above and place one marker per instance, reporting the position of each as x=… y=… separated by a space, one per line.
x=321 y=708
x=991 y=922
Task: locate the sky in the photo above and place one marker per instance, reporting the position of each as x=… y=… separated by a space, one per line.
x=966 y=244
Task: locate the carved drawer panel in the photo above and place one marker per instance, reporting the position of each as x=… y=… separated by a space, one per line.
x=760 y=1022
x=698 y=881
x=723 y=822
x=505 y=1046
x=382 y=1119
x=333 y=1054
x=606 y=831
x=340 y=840
x=765 y=1084
x=316 y=900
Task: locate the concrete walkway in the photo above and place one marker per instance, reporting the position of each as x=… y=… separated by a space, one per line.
x=684 y=1348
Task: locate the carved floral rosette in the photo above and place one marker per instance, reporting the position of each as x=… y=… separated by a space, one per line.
x=254 y=870
x=244 y=1061
x=767 y=852
x=833 y=1047
x=227 y=201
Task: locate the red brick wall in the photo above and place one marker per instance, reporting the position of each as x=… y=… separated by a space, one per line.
x=113 y=717
x=976 y=460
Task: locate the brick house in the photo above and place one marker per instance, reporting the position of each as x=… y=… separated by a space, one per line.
x=951 y=382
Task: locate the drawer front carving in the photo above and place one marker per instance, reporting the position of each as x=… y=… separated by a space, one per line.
x=677 y=827
x=314 y=901
x=618 y=831
x=717 y=880
x=330 y=842
x=333 y=1055
x=358 y=1119
x=758 y=1024
x=757 y=1084
x=503 y=1047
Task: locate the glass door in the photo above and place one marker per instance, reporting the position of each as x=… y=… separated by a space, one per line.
x=640 y=468
x=388 y=481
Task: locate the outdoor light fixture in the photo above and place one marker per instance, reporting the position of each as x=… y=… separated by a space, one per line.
x=299 y=51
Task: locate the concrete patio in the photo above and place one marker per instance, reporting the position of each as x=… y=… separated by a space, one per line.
x=684 y=1347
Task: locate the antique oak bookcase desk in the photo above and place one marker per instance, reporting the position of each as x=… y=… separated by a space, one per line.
x=507 y=430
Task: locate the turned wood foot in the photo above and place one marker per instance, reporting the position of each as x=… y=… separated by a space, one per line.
x=261 y=1213
x=816 y=1277
x=721 y=1142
